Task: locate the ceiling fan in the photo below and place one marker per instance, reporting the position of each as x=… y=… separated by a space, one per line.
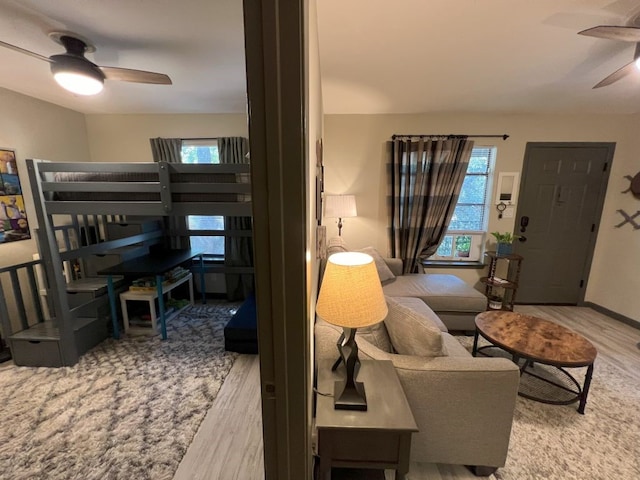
x=625 y=34
x=74 y=72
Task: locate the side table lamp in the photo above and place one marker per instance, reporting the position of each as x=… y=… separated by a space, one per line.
x=351 y=297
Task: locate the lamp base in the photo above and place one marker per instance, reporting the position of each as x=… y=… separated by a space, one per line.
x=349 y=398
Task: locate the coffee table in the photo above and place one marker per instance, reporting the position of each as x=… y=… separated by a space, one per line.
x=532 y=340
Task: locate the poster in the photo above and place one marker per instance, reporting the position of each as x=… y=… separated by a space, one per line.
x=13 y=217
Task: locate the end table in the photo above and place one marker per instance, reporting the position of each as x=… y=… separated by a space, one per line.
x=378 y=438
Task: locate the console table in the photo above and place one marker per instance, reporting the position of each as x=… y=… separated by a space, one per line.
x=154 y=264
x=378 y=438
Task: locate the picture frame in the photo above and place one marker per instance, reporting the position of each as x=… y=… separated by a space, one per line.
x=14 y=225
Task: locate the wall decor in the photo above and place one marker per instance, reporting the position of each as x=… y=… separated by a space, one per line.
x=13 y=218
x=634 y=185
x=319 y=181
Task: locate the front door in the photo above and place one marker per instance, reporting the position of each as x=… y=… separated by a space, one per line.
x=561 y=196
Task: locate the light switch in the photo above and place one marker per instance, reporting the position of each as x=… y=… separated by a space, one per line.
x=508 y=212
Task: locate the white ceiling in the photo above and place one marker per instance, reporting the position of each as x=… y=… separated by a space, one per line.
x=377 y=56
x=198 y=43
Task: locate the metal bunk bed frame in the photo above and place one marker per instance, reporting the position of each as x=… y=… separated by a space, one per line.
x=68 y=190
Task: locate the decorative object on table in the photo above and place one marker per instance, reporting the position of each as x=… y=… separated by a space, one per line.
x=505 y=242
x=495 y=302
x=13 y=217
x=351 y=297
x=340 y=206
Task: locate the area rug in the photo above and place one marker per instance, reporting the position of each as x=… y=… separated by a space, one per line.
x=551 y=441
x=128 y=410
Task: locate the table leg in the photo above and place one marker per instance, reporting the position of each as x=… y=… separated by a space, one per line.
x=475 y=343
x=202 y=286
x=585 y=390
x=112 y=305
x=404 y=454
x=163 y=323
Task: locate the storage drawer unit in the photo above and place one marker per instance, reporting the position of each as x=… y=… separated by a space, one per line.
x=116 y=231
x=95 y=263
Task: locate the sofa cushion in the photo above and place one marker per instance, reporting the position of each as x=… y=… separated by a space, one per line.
x=411 y=332
x=384 y=272
x=376 y=335
x=419 y=306
x=442 y=292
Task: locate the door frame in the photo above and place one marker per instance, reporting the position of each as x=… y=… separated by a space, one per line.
x=274 y=50
x=604 y=182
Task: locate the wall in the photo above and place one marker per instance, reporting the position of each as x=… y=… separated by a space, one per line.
x=314 y=120
x=355 y=157
x=37 y=129
x=131 y=133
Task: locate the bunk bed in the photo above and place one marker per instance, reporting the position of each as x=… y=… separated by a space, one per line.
x=77 y=204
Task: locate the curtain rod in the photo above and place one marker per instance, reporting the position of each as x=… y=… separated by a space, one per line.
x=397 y=135
x=201 y=138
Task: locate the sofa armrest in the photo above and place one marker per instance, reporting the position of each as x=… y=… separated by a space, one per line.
x=463 y=406
x=395 y=265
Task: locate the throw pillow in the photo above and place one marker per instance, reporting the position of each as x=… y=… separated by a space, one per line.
x=336 y=245
x=411 y=332
x=384 y=272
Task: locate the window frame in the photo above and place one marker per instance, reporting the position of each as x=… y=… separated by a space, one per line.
x=478 y=237
x=208 y=256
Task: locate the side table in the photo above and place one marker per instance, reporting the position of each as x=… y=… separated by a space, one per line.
x=378 y=438
x=150 y=297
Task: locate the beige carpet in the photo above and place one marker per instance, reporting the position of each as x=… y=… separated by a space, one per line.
x=556 y=442
x=128 y=410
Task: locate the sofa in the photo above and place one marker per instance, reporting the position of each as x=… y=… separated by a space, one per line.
x=463 y=405
x=454 y=301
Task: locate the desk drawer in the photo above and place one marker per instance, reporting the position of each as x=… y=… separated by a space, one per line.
x=361 y=446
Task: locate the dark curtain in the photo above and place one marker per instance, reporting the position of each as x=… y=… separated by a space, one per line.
x=425 y=176
x=170 y=150
x=238 y=250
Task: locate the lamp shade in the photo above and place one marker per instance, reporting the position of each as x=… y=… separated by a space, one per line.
x=340 y=206
x=351 y=293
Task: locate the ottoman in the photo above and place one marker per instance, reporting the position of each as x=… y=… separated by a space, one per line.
x=241 y=333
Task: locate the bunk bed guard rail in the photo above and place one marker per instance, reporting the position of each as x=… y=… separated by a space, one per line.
x=145 y=189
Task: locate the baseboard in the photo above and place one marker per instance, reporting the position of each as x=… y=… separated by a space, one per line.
x=615 y=315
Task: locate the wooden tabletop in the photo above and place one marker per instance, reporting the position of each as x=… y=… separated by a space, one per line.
x=536 y=338
x=388 y=408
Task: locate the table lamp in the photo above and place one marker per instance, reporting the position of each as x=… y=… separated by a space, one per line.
x=350 y=297
x=340 y=206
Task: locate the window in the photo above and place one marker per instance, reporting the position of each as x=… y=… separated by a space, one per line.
x=465 y=235
x=204 y=151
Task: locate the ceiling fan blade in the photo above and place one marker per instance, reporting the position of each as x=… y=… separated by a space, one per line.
x=625 y=34
x=27 y=52
x=619 y=74
x=137 y=76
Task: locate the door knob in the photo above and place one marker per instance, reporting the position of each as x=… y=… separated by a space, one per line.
x=522 y=238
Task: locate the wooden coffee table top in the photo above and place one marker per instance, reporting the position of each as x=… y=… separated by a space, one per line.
x=535 y=338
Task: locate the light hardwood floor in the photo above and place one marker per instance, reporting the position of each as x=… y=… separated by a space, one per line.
x=228 y=445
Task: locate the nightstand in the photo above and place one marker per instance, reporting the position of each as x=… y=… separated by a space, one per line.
x=378 y=438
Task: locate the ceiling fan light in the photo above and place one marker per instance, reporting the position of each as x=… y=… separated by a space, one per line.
x=77 y=74
x=79 y=83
